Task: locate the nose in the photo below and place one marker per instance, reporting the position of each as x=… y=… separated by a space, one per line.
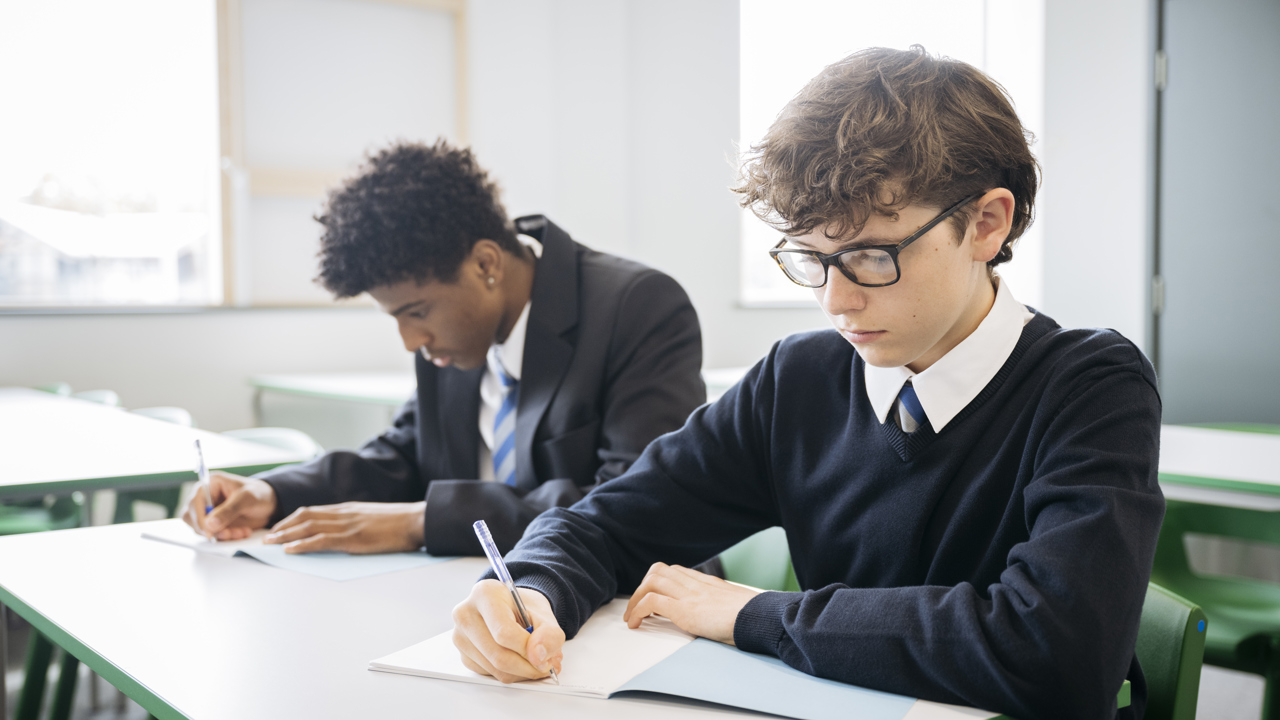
x=841 y=295
x=413 y=337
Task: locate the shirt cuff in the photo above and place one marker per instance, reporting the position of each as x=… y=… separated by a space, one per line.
x=758 y=628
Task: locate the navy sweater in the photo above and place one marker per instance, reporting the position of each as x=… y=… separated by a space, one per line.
x=1001 y=563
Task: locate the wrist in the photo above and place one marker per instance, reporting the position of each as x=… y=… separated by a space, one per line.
x=418 y=525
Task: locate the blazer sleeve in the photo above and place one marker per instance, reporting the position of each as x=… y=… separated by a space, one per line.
x=385 y=469
x=652 y=381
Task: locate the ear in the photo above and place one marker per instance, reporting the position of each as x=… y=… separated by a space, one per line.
x=991 y=222
x=487 y=259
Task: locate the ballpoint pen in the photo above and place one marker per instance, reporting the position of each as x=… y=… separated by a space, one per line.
x=504 y=577
x=203 y=471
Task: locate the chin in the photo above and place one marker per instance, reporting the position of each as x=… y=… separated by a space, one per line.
x=879 y=358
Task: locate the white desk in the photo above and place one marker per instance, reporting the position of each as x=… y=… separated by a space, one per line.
x=387 y=388
x=339 y=410
x=1220 y=467
x=197 y=636
x=53 y=444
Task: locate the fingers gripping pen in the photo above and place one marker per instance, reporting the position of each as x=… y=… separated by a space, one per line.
x=504 y=577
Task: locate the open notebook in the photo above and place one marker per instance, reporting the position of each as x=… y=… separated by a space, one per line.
x=607 y=658
x=331 y=565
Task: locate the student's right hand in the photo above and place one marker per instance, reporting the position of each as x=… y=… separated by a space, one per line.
x=241 y=505
x=488 y=633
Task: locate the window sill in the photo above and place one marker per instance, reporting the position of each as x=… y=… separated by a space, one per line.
x=15 y=311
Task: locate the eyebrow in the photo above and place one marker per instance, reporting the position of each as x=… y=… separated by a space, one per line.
x=402 y=308
x=849 y=244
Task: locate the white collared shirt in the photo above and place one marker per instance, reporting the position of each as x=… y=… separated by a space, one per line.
x=508 y=356
x=951 y=383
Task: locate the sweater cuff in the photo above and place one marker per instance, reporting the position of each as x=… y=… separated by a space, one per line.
x=552 y=592
x=758 y=628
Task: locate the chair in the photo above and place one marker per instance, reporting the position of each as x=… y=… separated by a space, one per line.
x=1171 y=639
x=57 y=388
x=283 y=438
x=102 y=397
x=1243 y=614
x=762 y=560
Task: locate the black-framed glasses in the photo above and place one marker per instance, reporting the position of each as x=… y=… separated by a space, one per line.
x=868 y=265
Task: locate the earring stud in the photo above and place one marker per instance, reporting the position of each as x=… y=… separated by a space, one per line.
x=490 y=279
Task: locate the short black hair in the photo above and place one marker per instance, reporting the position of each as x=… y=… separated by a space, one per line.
x=412 y=212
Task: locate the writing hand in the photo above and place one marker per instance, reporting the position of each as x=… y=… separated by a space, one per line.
x=241 y=505
x=488 y=633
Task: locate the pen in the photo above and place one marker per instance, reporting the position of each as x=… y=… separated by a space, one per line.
x=203 y=472
x=504 y=577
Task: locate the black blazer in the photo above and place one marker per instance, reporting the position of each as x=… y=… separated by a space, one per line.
x=612 y=360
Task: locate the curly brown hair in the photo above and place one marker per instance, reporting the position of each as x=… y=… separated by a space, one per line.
x=412 y=212
x=883 y=129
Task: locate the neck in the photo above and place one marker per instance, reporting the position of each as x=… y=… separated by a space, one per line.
x=517 y=288
x=980 y=303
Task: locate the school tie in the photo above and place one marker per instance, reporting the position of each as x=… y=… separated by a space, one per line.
x=911 y=404
x=504 y=431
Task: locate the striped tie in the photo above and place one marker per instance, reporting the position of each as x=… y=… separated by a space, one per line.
x=912 y=404
x=504 y=432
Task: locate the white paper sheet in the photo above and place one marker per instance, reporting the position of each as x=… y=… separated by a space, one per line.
x=600 y=659
x=330 y=565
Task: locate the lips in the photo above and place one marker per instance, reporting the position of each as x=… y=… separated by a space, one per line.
x=437 y=359
x=859 y=337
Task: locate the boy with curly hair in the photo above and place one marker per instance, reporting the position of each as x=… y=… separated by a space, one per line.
x=544 y=368
x=968 y=490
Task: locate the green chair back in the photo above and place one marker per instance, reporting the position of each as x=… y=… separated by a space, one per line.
x=57 y=388
x=762 y=560
x=1171 y=651
x=283 y=438
x=102 y=397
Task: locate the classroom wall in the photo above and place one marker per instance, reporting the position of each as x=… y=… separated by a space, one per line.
x=1096 y=202
x=617 y=118
x=196 y=360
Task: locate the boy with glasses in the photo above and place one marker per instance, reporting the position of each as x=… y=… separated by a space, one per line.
x=969 y=490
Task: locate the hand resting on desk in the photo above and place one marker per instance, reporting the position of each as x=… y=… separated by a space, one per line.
x=360 y=528
x=241 y=505
x=487 y=630
x=700 y=604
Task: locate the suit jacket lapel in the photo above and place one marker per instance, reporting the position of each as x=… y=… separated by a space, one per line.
x=458 y=408
x=547 y=345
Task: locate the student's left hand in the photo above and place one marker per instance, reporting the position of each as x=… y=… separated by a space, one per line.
x=698 y=603
x=360 y=528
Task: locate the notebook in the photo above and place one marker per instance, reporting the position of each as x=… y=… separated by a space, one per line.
x=330 y=565
x=607 y=658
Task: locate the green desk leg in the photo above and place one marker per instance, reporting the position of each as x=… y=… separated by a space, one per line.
x=39 y=654
x=4 y=661
x=64 y=695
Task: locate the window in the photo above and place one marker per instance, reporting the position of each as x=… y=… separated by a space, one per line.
x=783 y=45
x=108 y=153
x=155 y=152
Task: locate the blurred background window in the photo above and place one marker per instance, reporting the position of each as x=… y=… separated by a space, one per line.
x=783 y=45
x=109 y=154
